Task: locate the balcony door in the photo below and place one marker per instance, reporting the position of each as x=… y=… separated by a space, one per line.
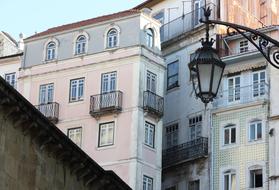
x=259 y=83
x=45 y=99
x=197 y=12
x=233 y=89
x=108 y=87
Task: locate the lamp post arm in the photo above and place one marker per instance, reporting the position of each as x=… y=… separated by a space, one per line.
x=268 y=46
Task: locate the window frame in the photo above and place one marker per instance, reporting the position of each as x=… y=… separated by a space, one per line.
x=251 y=169
x=176 y=84
x=47 y=89
x=81 y=98
x=255 y=123
x=151 y=81
x=147 y=141
x=75 y=128
x=81 y=45
x=172 y=132
x=195 y=122
x=234 y=89
x=51 y=52
x=149 y=179
x=229 y=173
x=260 y=85
x=8 y=81
x=110 y=75
x=195 y=182
x=113 y=134
x=149 y=37
x=243 y=46
x=229 y=127
x=113 y=38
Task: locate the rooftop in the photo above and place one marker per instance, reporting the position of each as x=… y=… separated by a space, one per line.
x=85 y=23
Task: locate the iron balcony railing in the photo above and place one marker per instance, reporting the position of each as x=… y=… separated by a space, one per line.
x=185 y=23
x=153 y=104
x=50 y=111
x=242 y=95
x=105 y=103
x=185 y=152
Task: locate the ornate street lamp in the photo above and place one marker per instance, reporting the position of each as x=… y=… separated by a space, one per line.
x=206 y=68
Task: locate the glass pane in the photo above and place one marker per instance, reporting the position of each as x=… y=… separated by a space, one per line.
x=227 y=136
x=252 y=132
x=233 y=182
x=259 y=131
x=226 y=182
x=233 y=135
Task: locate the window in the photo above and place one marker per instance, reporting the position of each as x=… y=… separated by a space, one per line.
x=172 y=135
x=159 y=16
x=11 y=79
x=258 y=83
x=147 y=183
x=51 y=51
x=149 y=134
x=234 y=89
x=243 y=46
x=151 y=80
x=256 y=178
x=76 y=89
x=106 y=134
x=255 y=131
x=229 y=180
x=197 y=12
x=172 y=80
x=195 y=124
x=80 y=45
x=75 y=134
x=194 y=185
x=229 y=134
x=149 y=34
x=108 y=82
x=46 y=93
x=112 y=38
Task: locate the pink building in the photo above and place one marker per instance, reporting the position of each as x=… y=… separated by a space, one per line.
x=101 y=81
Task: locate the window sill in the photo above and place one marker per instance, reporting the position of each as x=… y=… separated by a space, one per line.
x=149 y=148
x=76 y=102
x=111 y=48
x=105 y=147
x=80 y=54
x=253 y=142
x=169 y=90
x=49 y=61
x=224 y=147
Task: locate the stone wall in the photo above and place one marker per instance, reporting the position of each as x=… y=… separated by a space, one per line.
x=24 y=166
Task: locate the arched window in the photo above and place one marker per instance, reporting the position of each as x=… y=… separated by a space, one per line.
x=51 y=51
x=80 y=45
x=149 y=37
x=112 y=38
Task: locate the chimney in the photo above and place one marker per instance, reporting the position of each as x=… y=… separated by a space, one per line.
x=20 y=42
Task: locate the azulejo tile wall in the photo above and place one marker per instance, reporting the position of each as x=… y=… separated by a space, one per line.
x=244 y=153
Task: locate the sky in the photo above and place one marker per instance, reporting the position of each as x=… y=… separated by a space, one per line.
x=30 y=16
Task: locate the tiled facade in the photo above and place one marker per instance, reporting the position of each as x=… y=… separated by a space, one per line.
x=243 y=154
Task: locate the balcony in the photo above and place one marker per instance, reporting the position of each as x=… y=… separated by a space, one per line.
x=184 y=23
x=50 y=111
x=223 y=53
x=105 y=103
x=153 y=104
x=185 y=152
x=242 y=95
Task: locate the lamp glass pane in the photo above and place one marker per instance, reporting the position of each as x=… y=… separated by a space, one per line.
x=216 y=78
x=205 y=76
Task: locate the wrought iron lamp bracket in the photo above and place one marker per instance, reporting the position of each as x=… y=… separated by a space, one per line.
x=268 y=46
